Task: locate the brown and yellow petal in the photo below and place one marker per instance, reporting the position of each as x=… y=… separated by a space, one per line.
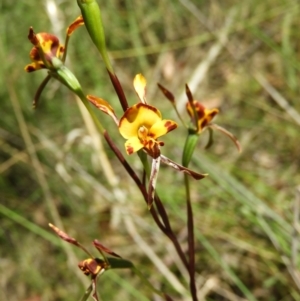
x=104 y=106
x=199 y=108
x=204 y=116
x=34 y=66
x=78 y=22
x=91 y=266
x=162 y=127
x=46 y=42
x=35 y=55
x=208 y=116
x=49 y=44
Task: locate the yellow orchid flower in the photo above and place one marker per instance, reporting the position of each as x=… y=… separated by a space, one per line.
x=200 y=116
x=141 y=125
x=48 y=53
x=46 y=47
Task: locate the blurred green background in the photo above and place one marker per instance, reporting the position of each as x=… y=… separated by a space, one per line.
x=239 y=56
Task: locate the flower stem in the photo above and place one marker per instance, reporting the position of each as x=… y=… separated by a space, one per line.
x=119 y=90
x=189 y=148
x=165 y=227
x=169 y=232
x=191 y=239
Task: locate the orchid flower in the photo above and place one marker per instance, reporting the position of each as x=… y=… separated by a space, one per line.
x=141 y=125
x=48 y=53
x=200 y=119
x=46 y=47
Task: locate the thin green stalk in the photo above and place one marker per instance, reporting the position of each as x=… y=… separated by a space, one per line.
x=66 y=48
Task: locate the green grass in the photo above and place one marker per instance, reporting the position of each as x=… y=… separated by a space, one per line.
x=50 y=170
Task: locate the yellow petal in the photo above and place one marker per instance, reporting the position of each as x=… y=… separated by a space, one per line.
x=137 y=116
x=132 y=145
x=161 y=128
x=139 y=84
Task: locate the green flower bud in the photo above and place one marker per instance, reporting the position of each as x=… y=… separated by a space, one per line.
x=189 y=148
x=92 y=19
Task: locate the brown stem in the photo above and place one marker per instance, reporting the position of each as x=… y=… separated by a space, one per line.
x=169 y=232
x=166 y=227
x=135 y=178
x=191 y=240
x=119 y=90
